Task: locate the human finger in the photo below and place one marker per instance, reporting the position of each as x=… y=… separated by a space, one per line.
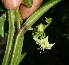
x=26 y=12
x=11 y=4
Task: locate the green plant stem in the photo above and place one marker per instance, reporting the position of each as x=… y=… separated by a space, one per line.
x=11 y=18
x=17 y=18
x=17 y=49
x=34 y=17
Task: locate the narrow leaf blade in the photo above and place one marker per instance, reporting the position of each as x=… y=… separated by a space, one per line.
x=2 y=20
x=28 y=3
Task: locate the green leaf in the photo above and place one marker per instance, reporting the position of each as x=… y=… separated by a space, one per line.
x=16 y=57
x=28 y=3
x=2 y=20
x=22 y=56
x=11 y=19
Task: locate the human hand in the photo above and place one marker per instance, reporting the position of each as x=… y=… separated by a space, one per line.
x=25 y=11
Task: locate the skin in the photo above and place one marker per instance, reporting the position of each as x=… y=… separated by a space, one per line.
x=11 y=4
x=26 y=12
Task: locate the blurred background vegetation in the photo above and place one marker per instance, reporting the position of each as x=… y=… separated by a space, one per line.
x=58 y=32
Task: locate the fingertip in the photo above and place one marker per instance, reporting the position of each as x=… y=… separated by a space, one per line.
x=12 y=4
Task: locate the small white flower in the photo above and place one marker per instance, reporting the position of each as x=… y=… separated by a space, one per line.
x=43 y=43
